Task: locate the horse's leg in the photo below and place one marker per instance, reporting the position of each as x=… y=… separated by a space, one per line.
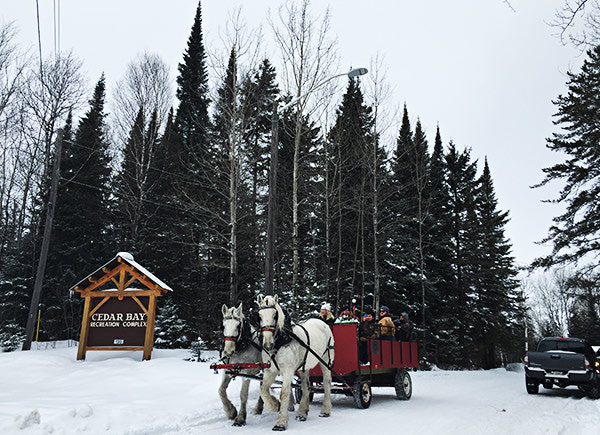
x=291 y=401
x=258 y=409
x=240 y=420
x=303 y=408
x=286 y=385
x=271 y=403
x=230 y=410
x=326 y=407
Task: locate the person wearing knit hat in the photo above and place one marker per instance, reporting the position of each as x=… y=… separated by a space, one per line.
x=387 y=329
x=326 y=315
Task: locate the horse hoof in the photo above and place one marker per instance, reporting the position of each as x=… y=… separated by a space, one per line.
x=324 y=414
x=279 y=427
x=301 y=417
x=239 y=423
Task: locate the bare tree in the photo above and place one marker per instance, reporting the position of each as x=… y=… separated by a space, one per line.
x=231 y=67
x=12 y=77
x=378 y=94
x=578 y=22
x=52 y=91
x=308 y=53
x=146 y=85
x=550 y=301
x=142 y=100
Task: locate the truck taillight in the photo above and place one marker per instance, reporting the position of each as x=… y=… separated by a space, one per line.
x=526 y=360
x=587 y=363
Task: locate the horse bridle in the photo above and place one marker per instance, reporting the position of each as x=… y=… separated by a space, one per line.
x=269 y=328
x=231 y=337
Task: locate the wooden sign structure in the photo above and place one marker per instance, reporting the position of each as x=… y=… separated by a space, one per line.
x=120 y=318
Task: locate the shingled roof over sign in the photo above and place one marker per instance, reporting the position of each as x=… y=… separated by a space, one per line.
x=121 y=257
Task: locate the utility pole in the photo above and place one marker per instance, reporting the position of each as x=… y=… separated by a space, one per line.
x=41 y=269
x=272 y=206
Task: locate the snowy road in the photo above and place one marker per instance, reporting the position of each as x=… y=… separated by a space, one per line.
x=49 y=392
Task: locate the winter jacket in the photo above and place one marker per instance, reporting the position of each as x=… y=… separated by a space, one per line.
x=386 y=327
x=367 y=329
x=330 y=319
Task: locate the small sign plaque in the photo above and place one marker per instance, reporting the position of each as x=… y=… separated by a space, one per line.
x=118 y=323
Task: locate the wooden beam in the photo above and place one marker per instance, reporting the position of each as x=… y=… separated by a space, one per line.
x=97 y=307
x=126 y=293
x=149 y=340
x=85 y=327
x=116 y=348
x=141 y=306
x=103 y=280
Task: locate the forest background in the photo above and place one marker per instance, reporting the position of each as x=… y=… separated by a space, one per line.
x=412 y=224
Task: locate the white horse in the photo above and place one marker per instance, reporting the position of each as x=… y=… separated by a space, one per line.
x=242 y=345
x=281 y=347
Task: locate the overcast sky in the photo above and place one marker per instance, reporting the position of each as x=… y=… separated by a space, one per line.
x=485 y=73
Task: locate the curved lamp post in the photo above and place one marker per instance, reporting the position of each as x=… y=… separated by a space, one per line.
x=270 y=248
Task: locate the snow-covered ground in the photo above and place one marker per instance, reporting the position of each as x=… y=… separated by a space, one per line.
x=50 y=392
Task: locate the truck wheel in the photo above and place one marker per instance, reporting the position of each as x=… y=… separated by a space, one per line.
x=548 y=385
x=362 y=394
x=531 y=385
x=593 y=391
x=403 y=385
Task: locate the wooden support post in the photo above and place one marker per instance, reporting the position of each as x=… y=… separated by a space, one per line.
x=85 y=327
x=149 y=340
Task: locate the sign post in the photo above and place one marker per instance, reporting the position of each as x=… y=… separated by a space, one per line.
x=120 y=318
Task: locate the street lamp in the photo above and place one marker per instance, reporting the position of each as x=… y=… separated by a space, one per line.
x=270 y=248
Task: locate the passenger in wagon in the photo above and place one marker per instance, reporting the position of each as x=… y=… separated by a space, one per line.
x=387 y=330
x=368 y=324
x=326 y=315
x=346 y=317
x=367 y=328
x=404 y=328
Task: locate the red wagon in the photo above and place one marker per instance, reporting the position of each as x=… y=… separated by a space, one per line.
x=388 y=361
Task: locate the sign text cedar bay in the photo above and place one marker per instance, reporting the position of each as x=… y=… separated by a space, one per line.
x=117 y=320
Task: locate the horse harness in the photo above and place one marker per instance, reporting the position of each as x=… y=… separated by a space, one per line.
x=286 y=335
x=244 y=337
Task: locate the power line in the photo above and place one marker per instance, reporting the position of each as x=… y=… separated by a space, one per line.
x=37 y=7
x=162 y=171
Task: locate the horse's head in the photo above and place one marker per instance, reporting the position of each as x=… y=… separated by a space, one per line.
x=233 y=320
x=271 y=319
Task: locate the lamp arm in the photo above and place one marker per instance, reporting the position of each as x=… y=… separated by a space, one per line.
x=318 y=85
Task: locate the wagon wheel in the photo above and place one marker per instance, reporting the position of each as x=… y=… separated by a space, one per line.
x=403 y=385
x=298 y=395
x=362 y=393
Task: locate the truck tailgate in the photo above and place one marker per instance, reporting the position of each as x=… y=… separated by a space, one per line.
x=557 y=360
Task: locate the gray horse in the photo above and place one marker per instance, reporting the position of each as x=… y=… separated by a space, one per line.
x=242 y=345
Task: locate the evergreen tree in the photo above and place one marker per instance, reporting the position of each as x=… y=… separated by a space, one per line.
x=351 y=205
x=575 y=232
x=461 y=178
x=188 y=193
x=437 y=244
x=584 y=319
x=496 y=314
x=300 y=298
x=80 y=242
x=134 y=185
x=401 y=289
x=170 y=328
x=226 y=179
x=258 y=93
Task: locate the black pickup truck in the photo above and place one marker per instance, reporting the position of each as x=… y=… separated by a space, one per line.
x=563 y=362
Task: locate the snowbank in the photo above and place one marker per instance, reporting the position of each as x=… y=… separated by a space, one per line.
x=50 y=392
